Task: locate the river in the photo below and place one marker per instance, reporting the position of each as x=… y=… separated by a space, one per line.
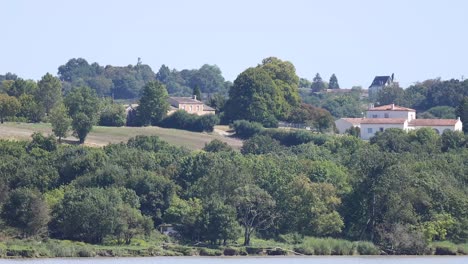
x=251 y=260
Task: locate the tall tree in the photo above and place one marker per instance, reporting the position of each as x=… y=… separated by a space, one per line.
x=197 y=93
x=9 y=106
x=82 y=104
x=255 y=209
x=333 y=84
x=317 y=84
x=153 y=104
x=60 y=121
x=49 y=92
x=253 y=97
x=462 y=112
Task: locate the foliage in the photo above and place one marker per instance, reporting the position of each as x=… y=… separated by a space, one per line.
x=60 y=121
x=183 y=120
x=9 y=106
x=49 y=92
x=217 y=145
x=245 y=129
x=112 y=114
x=333 y=83
x=153 y=105
x=317 y=84
x=462 y=112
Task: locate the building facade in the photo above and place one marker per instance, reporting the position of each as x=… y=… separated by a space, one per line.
x=380 y=118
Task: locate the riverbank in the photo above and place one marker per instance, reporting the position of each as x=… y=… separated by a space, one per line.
x=52 y=248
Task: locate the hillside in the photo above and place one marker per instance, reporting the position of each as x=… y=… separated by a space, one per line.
x=101 y=136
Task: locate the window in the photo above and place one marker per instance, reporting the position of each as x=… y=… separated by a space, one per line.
x=381 y=129
x=375 y=116
x=386 y=115
x=369 y=130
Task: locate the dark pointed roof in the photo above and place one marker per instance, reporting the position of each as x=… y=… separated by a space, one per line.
x=380 y=80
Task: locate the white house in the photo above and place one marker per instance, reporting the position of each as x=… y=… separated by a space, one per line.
x=392 y=116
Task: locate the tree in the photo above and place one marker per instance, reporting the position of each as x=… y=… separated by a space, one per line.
x=333 y=84
x=153 y=104
x=253 y=97
x=9 y=106
x=317 y=84
x=196 y=93
x=60 y=121
x=217 y=145
x=112 y=114
x=30 y=109
x=255 y=209
x=49 y=92
x=82 y=125
x=82 y=104
x=392 y=94
x=26 y=210
x=462 y=112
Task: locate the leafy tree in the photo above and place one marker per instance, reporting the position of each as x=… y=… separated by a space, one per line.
x=26 y=210
x=304 y=83
x=88 y=214
x=187 y=217
x=20 y=86
x=60 y=121
x=253 y=97
x=217 y=145
x=82 y=104
x=220 y=221
x=317 y=84
x=392 y=94
x=9 y=106
x=112 y=114
x=30 y=109
x=131 y=223
x=255 y=209
x=153 y=105
x=82 y=125
x=462 y=112
x=49 y=92
x=333 y=84
x=259 y=144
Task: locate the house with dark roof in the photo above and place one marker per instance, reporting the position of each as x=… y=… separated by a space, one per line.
x=380 y=118
x=378 y=84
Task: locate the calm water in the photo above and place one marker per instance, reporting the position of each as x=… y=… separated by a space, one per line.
x=250 y=260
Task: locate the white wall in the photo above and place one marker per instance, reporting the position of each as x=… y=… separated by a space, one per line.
x=408 y=115
x=376 y=128
x=342 y=125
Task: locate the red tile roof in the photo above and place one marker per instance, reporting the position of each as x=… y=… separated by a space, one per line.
x=383 y=121
x=433 y=122
x=390 y=107
x=354 y=121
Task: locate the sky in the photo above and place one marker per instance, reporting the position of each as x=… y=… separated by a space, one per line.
x=356 y=40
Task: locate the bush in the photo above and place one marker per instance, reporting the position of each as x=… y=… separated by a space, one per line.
x=366 y=248
x=254 y=250
x=259 y=144
x=112 y=115
x=210 y=252
x=231 y=252
x=245 y=129
x=183 y=120
x=217 y=145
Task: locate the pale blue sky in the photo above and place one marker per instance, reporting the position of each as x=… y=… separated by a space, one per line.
x=356 y=40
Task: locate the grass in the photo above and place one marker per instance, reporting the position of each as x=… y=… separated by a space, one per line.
x=101 y=136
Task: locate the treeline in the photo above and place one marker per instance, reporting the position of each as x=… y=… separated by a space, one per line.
x=401 y=191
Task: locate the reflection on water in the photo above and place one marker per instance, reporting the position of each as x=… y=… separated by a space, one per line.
x=252 y=260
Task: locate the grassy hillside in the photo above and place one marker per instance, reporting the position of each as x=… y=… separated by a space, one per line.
x=101 y=136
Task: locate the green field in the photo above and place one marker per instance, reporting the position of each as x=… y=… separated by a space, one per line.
x=101 y=136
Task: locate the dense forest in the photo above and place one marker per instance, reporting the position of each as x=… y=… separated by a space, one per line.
x=400 y=193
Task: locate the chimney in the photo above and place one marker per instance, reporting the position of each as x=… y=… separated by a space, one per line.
x=194 y=97
x=393 y=106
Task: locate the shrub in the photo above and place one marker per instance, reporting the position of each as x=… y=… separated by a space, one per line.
x=217 y=145
x=231 y=252
x=112 y=115
x=246 y=129
x=183 y=120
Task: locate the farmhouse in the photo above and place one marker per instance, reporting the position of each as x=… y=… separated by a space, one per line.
x=188 y=104
x=392 y=116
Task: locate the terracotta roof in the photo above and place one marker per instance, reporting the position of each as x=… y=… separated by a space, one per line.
x=383 y=121
x=433 y=122
x=208 y=108
x=354 y=121
x=185 y=100
x=390 y=107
